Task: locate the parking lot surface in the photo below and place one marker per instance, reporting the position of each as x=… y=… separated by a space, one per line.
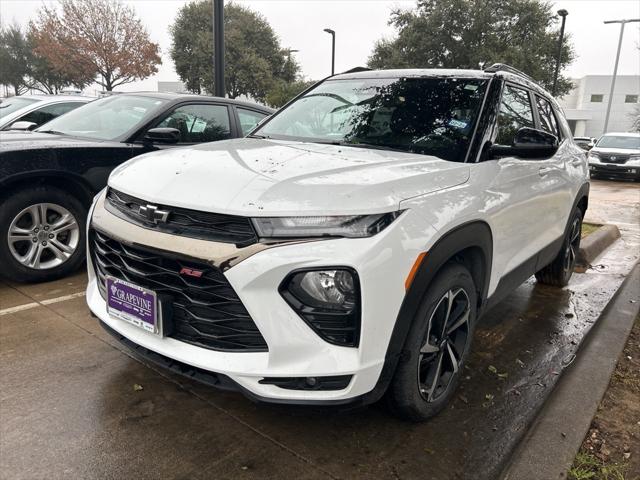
x=76 y=404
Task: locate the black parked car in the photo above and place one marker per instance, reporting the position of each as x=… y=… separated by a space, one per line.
x=49 y=176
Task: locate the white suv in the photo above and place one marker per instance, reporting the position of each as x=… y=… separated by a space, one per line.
x=348 y=246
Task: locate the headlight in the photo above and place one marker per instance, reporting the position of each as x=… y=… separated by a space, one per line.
x=352 y=226
x=594 y=156
x=328 y=300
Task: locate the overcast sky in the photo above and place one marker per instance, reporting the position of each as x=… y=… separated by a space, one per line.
x=359 y=23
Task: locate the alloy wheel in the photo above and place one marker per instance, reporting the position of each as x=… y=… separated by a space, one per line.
x=445 y=344
x=43 y=236
x=573 y=245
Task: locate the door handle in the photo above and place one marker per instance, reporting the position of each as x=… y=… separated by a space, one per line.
x=544 y=171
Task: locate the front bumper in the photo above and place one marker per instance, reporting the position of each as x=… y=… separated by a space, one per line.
x=294 y=349
x=612 y=170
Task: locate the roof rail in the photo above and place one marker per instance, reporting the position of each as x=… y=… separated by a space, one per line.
x=503 y=67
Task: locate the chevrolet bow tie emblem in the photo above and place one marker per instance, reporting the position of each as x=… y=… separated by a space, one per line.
x=153 y=214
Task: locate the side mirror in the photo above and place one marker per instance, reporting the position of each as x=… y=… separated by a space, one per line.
x=528 y=143
x=162 y=135
x=23 y=125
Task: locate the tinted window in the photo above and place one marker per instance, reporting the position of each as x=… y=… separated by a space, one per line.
x=199 y=123
x=515 y=113
x=10 y=105
x=548 y=121
x=249 y=119
x=48 y=113
x=432 y=116
x=107 y=118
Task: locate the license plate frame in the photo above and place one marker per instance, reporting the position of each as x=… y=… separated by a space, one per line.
x=134 y=304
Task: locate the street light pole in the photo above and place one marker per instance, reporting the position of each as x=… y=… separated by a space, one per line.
x=333 y=49
x=615 y=67
x=218 y=48
x=563 y=13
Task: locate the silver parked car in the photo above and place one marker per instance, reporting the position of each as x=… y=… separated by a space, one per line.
x=27 y=112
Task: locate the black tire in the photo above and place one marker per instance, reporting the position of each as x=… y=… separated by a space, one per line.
x=71 y=238
x=413 y=394
x=558 y=273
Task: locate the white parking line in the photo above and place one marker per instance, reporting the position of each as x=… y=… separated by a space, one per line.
x=48 y=301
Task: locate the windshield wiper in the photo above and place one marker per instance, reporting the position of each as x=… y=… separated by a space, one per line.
x=372 y=146
x=258 y=136
x=52 y=132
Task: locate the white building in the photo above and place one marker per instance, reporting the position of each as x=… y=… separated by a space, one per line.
x=586 y=105
x=172 y=87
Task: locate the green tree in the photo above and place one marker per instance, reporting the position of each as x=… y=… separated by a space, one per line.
x=281 y=92
x=23 y=69
x=254 y=60
x=14 y=59
x=465 y=33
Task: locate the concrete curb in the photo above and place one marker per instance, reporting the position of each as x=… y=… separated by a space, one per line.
x=549 y=447
x=593 y=245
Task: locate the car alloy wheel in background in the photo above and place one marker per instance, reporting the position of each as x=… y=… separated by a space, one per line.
x=573 y=245
x=43 y=236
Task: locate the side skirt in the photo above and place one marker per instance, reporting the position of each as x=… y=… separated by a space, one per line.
x=518 y=275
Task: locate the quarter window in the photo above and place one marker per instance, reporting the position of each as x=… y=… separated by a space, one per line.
x=249 y=119
x=548 y=120
x=199 y=123
x=515 y=113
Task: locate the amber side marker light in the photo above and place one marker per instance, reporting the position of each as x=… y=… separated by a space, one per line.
x=414 y=270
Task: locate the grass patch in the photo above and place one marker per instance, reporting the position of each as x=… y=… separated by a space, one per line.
x=589 y=228
x=587 y=466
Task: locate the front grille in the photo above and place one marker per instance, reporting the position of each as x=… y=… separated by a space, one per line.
x=613 y=158
x=206 y=311
x=185 y=222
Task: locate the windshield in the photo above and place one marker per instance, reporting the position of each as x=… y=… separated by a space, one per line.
x=10 y=105
x=433 y=116
x=619 y=141
x=105 y=119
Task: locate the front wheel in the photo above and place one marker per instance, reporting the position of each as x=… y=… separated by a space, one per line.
x=437 y=346
x=42 y=234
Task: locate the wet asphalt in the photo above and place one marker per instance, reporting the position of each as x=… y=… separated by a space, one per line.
x=75 y=404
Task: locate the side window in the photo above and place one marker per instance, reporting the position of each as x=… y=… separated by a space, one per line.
x=515 y=113
x=42 y=115
x=249 y=119
x=199 y=123
x=548 y=121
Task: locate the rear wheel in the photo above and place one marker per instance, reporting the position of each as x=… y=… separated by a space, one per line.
x=558 y=273
x=42 y=234
x=437 y=346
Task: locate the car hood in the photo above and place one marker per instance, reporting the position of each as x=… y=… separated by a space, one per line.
x=616 y=151
x=19 y=140
x=267 y=177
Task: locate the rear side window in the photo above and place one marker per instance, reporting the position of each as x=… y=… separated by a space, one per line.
x=515 y=113
x=548 y=121
x=249 y=119
x=199 y=123
x=43 y=115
